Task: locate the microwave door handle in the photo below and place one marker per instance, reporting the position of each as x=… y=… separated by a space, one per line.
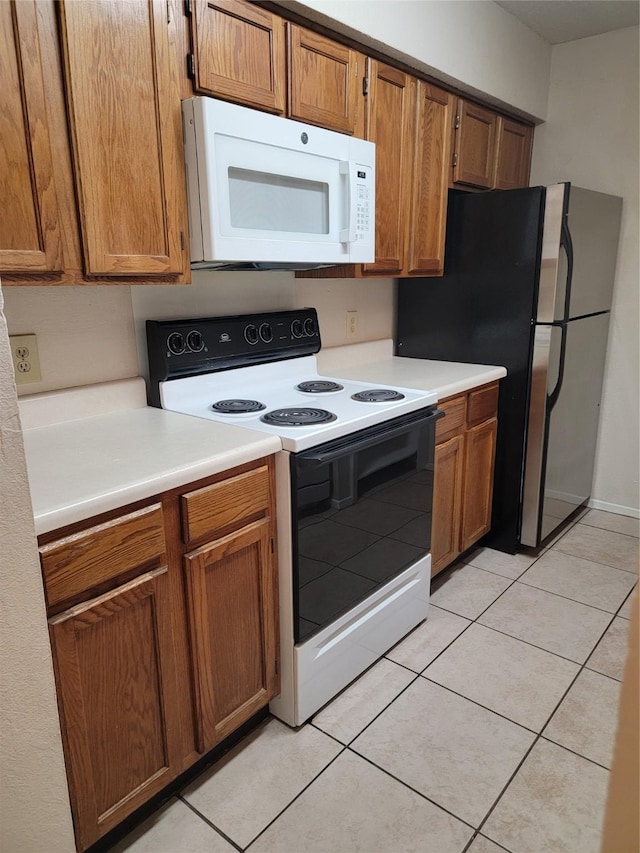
x=348 y=168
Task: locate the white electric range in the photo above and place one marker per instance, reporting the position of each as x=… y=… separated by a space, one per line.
x=354 y=487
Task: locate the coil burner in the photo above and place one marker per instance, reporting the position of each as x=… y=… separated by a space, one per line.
x=297 y=417
x=377 y=395
x=237 y=407
x=319 y=386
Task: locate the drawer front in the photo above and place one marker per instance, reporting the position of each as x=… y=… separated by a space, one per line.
x=483 y=404
x=454 y=420
x=78 y=563
x=216 y=510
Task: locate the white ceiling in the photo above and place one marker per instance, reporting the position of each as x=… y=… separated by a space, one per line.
x=557 y=21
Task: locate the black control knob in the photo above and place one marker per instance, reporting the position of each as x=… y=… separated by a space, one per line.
x=175 y=343
x=195 y=341
x=266 y=333
x=310 y=326
x=251 y=334
x=296 y=329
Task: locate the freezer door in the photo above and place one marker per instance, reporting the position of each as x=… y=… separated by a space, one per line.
x=563 y=423
x=594 y=223
x=554 y=267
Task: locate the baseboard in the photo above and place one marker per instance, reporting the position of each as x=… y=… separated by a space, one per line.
x=565 y=497
x=617 y=508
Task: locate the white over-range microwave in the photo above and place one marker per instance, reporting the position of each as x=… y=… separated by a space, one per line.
x=267 y=192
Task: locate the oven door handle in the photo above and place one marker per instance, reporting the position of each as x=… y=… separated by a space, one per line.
x=354 y=446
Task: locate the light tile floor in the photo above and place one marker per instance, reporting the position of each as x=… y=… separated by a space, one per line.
x=489 y=728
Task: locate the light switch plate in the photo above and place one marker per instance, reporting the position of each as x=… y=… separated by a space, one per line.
x=26 y=363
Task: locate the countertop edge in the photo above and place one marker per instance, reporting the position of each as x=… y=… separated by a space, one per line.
x=109 y=478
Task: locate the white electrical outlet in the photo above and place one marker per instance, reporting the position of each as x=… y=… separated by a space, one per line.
x=26 y=364
x=352 y=324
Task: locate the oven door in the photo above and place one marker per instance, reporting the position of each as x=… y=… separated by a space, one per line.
x=361 y=515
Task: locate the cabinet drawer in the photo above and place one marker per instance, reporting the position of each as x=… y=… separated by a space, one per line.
x=215 y=510
x=76 y=564
x=483 y=404
x=454 y=419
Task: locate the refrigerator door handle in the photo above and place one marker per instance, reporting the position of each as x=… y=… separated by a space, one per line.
x=552 y=398
x=567 y=245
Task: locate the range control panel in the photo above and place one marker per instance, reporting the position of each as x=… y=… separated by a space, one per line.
x=178 y=348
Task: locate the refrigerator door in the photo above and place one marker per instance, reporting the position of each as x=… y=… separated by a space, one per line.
x=555 y=266
x=594 y=222
x=579 y=249
x=569 y=363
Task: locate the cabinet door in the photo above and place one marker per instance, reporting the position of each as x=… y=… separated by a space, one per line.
x=447 y=501
x=390 y=116
x=125 y=136
x=231 y=600
x=239 y=52
x=30 y=239
x=513 y=154
x=118 y=704
x=432 y=155
x=323 y=80
x=480 y=453
x=475 y=146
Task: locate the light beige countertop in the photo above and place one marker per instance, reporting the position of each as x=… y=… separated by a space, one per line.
x=97 y=448
x=96 y=462
x=375 y=362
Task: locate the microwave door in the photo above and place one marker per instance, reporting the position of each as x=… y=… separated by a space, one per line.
x=271 y=202
x=264 y=196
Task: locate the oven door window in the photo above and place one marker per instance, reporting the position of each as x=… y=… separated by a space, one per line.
x=362 y=515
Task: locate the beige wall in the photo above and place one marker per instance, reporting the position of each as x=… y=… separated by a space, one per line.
x=474 y=45
x=85 y=334
x=33 y=795
x=591 y=139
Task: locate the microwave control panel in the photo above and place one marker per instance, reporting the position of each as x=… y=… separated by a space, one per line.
x=363 y=207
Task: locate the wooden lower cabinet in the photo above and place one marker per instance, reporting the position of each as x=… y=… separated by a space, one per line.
x=116 y=686
x=480 y=453
x=173 y=642
x=463 y=480
x=447 y=502
x=231 y=588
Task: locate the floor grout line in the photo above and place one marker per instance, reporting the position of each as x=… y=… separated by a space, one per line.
x=209 y=823
x=411 y=788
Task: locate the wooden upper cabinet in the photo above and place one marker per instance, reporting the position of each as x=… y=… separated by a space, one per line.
x=435 y=110
x=324 y=79
x=513 y=154
x=125 y=136
x=239 y=53
x=490 y=151
x=30 y=239
x=115 y=676
x=474 y=145
x=389 y=123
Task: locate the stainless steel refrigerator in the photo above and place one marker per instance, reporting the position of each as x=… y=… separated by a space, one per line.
x=528 y=284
